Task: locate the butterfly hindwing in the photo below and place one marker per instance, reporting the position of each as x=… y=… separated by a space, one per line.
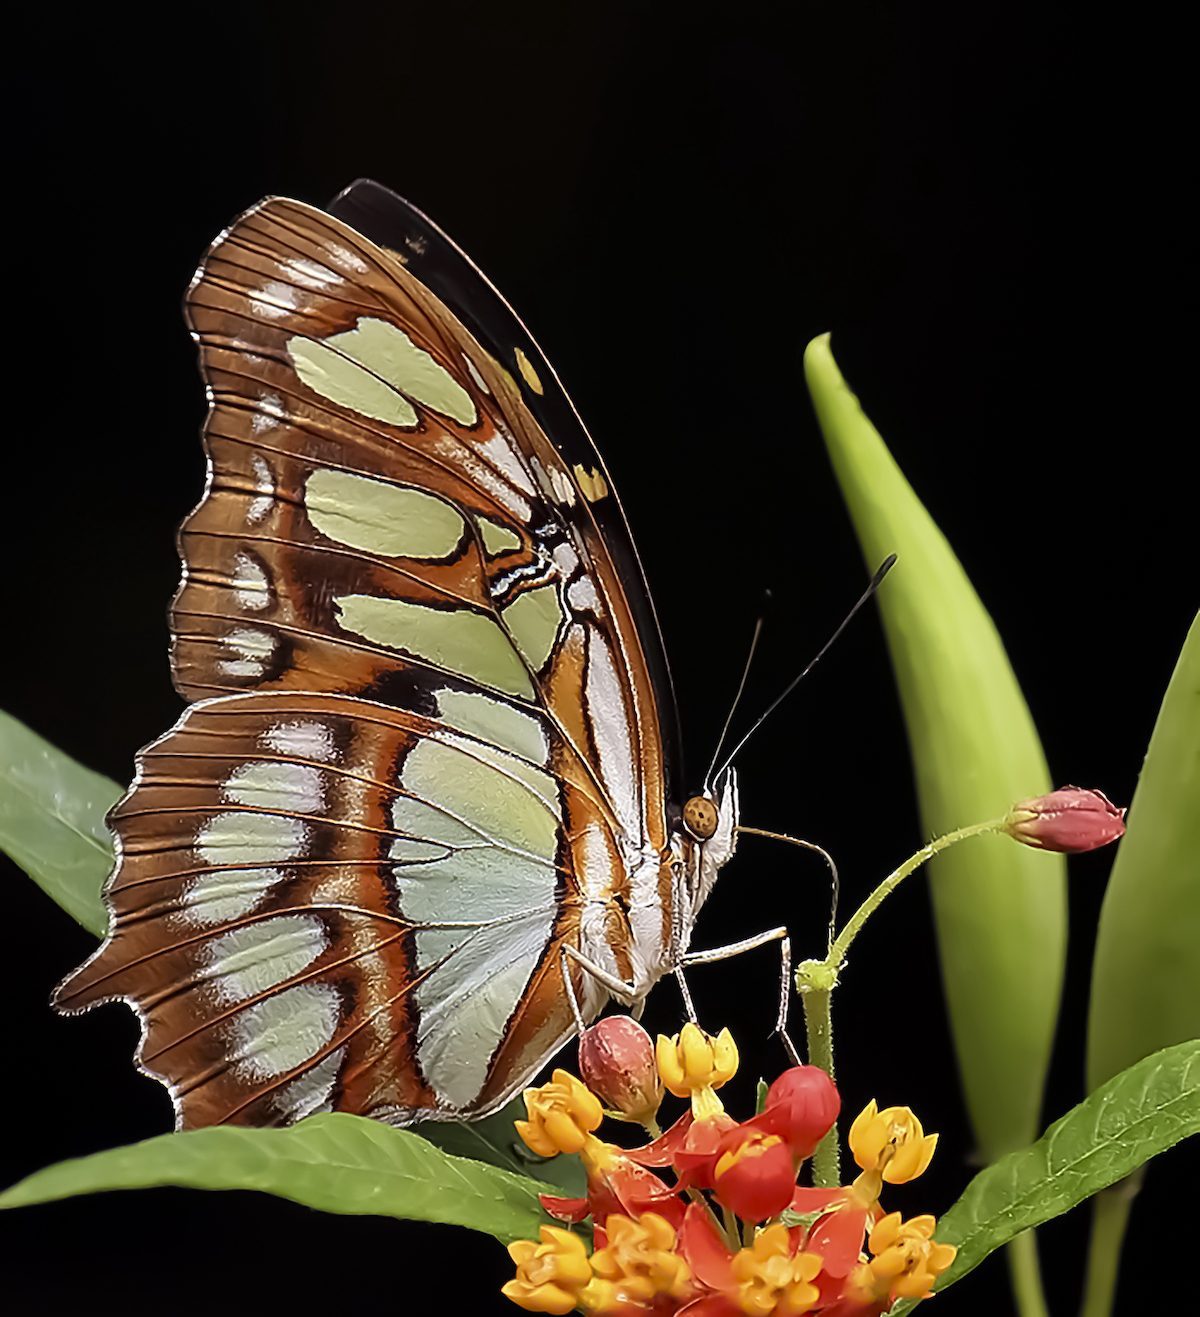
x=326 y=902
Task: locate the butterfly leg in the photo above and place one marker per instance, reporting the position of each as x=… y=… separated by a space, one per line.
x=686 y=993
x=779 y=935
x=624 y=992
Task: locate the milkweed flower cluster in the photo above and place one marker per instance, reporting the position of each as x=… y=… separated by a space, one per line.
x=707 y=1220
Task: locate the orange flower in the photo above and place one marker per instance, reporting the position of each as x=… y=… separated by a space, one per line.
x=891 y=1142
x=550 y=1275
x=694 y=1064
x=906 y=1262
x=637 y=1265
x=774 y=1279
x=562 y=1115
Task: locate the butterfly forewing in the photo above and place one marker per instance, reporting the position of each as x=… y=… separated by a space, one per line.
x=349 y=885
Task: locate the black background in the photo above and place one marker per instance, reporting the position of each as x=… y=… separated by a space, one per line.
x=985 y=203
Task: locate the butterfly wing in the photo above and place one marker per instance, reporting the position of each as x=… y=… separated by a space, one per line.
x=428 y=751
x=443 y=267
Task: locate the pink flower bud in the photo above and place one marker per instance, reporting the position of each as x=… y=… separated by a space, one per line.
x=616 y=1060
x=1069 y=820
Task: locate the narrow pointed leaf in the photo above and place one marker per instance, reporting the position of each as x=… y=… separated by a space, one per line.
x=1146 y=971
x=334 y=1163
x=1000 y=909
x=52 y=821
x=1146 y=974
x=1136 y=1115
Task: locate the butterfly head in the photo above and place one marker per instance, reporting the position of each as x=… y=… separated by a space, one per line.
x=709 y=828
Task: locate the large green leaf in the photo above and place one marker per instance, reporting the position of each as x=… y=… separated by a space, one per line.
x=1000 y=909
x=335 y=1163
x=1146 y=974
x=494 y=1140
x=52 y=821
x=1141 y=1112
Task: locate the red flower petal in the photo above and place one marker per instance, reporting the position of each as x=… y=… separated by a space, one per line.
x=662 y=1151
x=703 y=1249
x=813 y=1200
x=711 y=1305
x=631 y=1190
x=759 y=1182
x=838 y=1238
x=571 y=1210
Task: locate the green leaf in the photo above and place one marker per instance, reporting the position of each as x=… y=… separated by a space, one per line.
x=335 y=1163
x=52 y=821
x=1146 y=971
x=1141 y=1112
x=1146 y=974
x=494 y=1141
x=1000 y=909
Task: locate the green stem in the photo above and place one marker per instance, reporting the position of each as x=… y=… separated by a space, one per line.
x=1025 y=1273
x=1110 y=1216
x=837 y=953
x=818 y=1025
x=733 y=1235
x=816 y=980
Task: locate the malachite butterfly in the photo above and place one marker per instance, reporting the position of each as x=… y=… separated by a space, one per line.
x=418 y=821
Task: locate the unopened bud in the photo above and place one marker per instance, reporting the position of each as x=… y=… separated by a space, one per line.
x=1069 y=820
x=616 y=1060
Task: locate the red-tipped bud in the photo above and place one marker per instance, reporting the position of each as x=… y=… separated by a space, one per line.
x=1069 y=820
x=755 y=1176
x=616 y=1060
x=801 y=1106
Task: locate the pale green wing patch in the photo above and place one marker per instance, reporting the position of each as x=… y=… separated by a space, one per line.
x=455 y=640
x=481 y=836
x=534 y=620
x=395 y=521
x=374 y=369
x=348 y=384
x=497 y=539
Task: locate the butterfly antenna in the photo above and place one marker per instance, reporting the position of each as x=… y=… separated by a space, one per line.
x=876 y=581
x=835 y=882
x=737 y=699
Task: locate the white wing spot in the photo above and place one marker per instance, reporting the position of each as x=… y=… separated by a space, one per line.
x=238 y=839
x=275 y=300
x=227 y=894
x=500 y=451
x=582 y=596
x=254 y=959
x=267 y=416
x=251 y=650
x=312 y=1091
x=250 y=584
x=476 y=377
x=305 y=740
x=295 y=788
x=282 y=1032
x=264 y=481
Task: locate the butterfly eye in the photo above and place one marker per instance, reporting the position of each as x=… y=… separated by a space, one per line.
x=700 y=817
